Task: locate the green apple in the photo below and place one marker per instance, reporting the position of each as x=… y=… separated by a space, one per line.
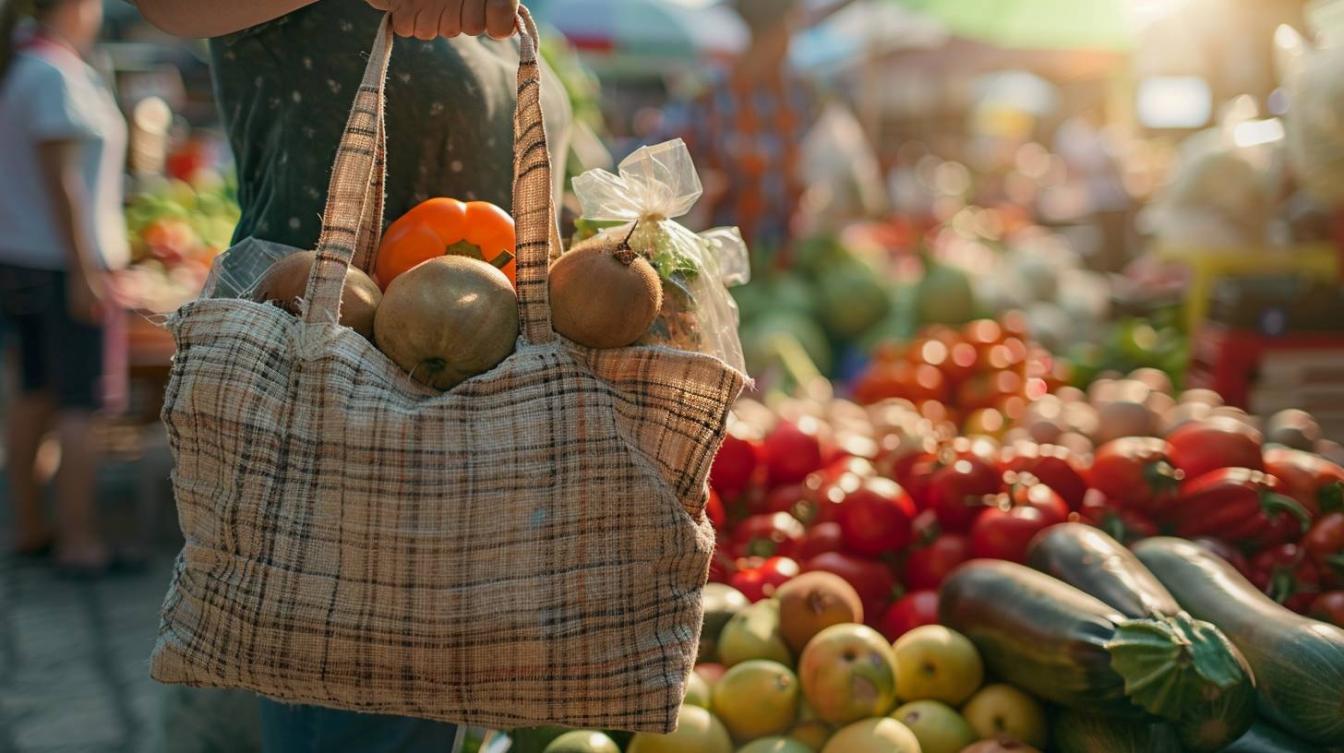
x=774 y=745
x=848 y=673
x=1001 y=710
x=938 y=664
x=697 y=732
x=884 y=735
x=754 y=633
x=939 y=727
x=582 y=741
x=697 y=691
x=756 y=698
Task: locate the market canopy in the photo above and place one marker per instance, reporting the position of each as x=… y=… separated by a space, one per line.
x=643 y=36
x=1103 y=25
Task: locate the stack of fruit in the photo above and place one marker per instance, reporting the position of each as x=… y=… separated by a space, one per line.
x=176 y=229
x=799 y=673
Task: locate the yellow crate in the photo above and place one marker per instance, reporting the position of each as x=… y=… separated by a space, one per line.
x=1208 y=265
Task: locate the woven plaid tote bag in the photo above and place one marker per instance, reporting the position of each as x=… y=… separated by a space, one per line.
x=529 y=547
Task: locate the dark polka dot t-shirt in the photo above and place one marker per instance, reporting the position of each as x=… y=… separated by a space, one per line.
x=285 y=90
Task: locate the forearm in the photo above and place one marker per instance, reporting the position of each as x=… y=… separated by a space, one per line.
x=214 y=18
x=69 y=201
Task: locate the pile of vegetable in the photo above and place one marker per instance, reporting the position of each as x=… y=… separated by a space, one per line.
x=176 y=229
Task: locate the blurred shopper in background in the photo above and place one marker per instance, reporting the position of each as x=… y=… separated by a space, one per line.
x=61 y=231
x=746 y=130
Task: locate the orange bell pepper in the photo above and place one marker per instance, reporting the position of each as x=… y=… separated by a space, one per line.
x=447 y=227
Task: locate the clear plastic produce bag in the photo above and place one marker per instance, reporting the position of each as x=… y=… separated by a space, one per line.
x=655 y=185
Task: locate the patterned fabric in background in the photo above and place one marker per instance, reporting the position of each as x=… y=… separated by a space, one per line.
x=285 y=88
x=751 y=135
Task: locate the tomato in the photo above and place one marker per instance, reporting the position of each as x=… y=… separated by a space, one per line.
x=1199 y=447
x=1309 y=478
x=714 y=510
x=1121 y=523
x=1004 y=530
x=1287 y=576
x=1241 y=506
x=913 y=610
x=443 y=226
x=873 y=580
x=758 y=578
x=767 y=535
x=792 y=451
x=962 y=362
x=792 y=499
x=736 y=462
x=957 y=490
x=1328 y=607
x=927 y=566
x=1227 y=552
x=876 y=518
x=1136 y=472
x=821 y=538
x=1054 y=466
x=913 y=473
x=982 y=333
x=1325 y=546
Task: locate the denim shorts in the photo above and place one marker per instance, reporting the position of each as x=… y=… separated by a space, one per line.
x=311 y=729
x=58 y=355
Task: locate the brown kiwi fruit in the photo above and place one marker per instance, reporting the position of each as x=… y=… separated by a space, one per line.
x=286 y=282
x=604 y=294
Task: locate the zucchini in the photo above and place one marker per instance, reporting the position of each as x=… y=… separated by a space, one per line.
x=1221 y=702
x=1298 y=662
x=1065 y=646
x=1264 y=737
x=1080 y=732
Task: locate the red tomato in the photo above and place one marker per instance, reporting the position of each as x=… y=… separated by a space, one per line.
x=791 y=452
x=1054 y=466
x=1309 y=478
x=714 y=510
x=1287 y=576
x=1328 y=607
x=1325 y=546
x=821 y=538
x=928 y=566
x=957 y=491
x=1004 y=530
x=962 y=361
x=758 y=578
x=1199 y=447
x=913 y=610
x=1121 y=523
x=767 y=535
x=982 y=333
x=913 y=474
x=876 y=518
x=735 y=464
x=791 y=499
x=873 y=580
x=1136 y=472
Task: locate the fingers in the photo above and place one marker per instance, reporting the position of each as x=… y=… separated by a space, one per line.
x=473 y=17
x=427 y=19
x=404 y=13
x=450 y=18
x=500 y=17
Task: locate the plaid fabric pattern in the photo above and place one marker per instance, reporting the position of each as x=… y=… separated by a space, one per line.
x=527 y=548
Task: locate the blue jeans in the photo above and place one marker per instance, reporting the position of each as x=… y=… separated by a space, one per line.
x=311 y=729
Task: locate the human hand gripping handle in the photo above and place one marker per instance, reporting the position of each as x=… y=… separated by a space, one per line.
x=429 y=19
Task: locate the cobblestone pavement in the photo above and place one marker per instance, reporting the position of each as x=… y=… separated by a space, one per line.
x=74 y=655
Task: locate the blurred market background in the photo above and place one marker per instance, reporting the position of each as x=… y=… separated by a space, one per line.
x=1135 y=184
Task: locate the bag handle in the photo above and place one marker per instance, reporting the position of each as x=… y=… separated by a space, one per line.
x=352 y=220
